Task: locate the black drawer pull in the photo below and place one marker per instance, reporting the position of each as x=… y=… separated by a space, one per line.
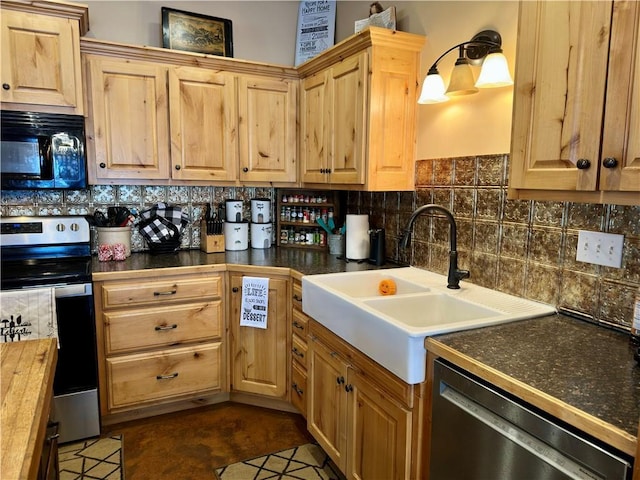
x=162 y=328
x=297 y=352
x=298 y=326
x=297 y=389
x=170 y=292
x=297 y=298
x=166 y=377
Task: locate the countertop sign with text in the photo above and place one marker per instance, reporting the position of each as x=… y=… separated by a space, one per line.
x=255 y=302
x=316 y=28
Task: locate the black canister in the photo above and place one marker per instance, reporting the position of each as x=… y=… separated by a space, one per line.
x=377 y=246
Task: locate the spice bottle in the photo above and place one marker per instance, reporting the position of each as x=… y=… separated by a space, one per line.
x=635 y=321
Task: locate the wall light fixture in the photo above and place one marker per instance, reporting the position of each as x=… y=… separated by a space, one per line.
x=484 y=48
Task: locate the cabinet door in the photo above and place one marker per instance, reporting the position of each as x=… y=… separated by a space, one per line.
x=259 y=356
x=130 y=119
x=315 y=121
x=559 y=98
x=41 y=61
x=203 y=124
x=380 y=433
x=349 y=90
x=267 y=129
x=621 y=137
x=327 y=402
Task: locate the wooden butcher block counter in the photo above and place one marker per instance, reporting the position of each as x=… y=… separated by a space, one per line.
x=26 y=387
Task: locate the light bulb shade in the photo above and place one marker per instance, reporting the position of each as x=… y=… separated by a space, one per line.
x=462 y=81
x=433 y=90
x=495 y=72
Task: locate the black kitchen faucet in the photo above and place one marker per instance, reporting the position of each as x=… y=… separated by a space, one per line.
x=455 y=274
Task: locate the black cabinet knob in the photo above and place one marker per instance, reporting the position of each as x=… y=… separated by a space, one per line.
x=328 y=170
x=245 y=169
x=103 y=165
x=6 y=86
x=177 y=167
x=609 y=162
x=583 y=164
x=235 y=289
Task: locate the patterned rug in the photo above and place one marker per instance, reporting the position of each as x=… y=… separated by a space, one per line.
x=93 y=459
x=300 y=463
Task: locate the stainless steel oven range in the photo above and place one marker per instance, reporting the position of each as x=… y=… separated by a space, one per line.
x=55 y=252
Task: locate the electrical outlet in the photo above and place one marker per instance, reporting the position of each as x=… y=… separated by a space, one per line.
x=600 y=248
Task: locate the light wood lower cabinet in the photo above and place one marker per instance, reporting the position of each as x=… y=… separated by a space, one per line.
x=160 y=340
x=259 y=356
x=359 y=413
x=299 y=351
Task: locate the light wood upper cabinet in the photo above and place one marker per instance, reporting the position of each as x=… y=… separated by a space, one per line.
x=196 y=119
x=576 y=130
x=203 y=124
x=267 y=129
x=41 y=58
x=259 y=357
x=358 y=112
x=129 y=120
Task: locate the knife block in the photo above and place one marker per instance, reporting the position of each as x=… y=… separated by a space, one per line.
x=210 y=243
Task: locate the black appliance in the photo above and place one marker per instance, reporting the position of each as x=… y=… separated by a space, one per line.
x=55 y=252
x=377 y=246
x=42 y=151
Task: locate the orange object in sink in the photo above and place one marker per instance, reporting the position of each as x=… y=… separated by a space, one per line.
x=387 y=287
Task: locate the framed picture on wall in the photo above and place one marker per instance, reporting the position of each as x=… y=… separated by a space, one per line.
x=194 y=32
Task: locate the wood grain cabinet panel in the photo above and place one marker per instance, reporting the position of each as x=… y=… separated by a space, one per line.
x=358 y=112
x=161 y=343
x=128 y=125
x=259 y=356
x=575 y=133
x=202 y=110
x=40 y=63
x=357 y=414
x=267 y=129
x=132 y=330
x=163 y=375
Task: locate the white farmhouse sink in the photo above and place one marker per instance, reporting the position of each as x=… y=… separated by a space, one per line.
x=391 y=329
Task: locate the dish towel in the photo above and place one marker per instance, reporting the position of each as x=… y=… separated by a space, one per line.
x=255 y=302
x=28 y=314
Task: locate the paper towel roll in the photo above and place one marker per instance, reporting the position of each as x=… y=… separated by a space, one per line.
x=357 y=237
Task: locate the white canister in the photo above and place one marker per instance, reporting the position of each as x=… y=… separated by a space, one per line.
x=233 y=210
x=261 y=235
x=236 y=235
x=260 y=210
x=113 y=235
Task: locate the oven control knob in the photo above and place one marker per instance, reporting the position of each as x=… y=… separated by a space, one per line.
x=74 y=227
x=60 y=227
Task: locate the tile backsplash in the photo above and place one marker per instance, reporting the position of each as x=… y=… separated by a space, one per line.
x=193 y=201
x=525 y=248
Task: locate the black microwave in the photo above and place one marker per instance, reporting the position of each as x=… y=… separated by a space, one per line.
x=42 y=150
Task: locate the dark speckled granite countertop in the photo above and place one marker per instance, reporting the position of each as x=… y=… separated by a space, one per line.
x=307 y=262
x=581 y=364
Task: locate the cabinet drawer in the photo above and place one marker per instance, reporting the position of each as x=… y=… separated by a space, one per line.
x=296 y=296
x=162 y=375
x=129 y=330
x=122 y=294
x=299 y=389
x=300 y=324
x=299 y=351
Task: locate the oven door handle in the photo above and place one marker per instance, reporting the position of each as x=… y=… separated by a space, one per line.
x=75 y=290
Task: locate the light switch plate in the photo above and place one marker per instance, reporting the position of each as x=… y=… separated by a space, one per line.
x=600 y=248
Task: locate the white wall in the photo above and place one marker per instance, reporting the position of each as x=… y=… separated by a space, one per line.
x=266 y=31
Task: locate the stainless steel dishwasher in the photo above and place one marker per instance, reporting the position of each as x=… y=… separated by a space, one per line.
x=481 y=432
